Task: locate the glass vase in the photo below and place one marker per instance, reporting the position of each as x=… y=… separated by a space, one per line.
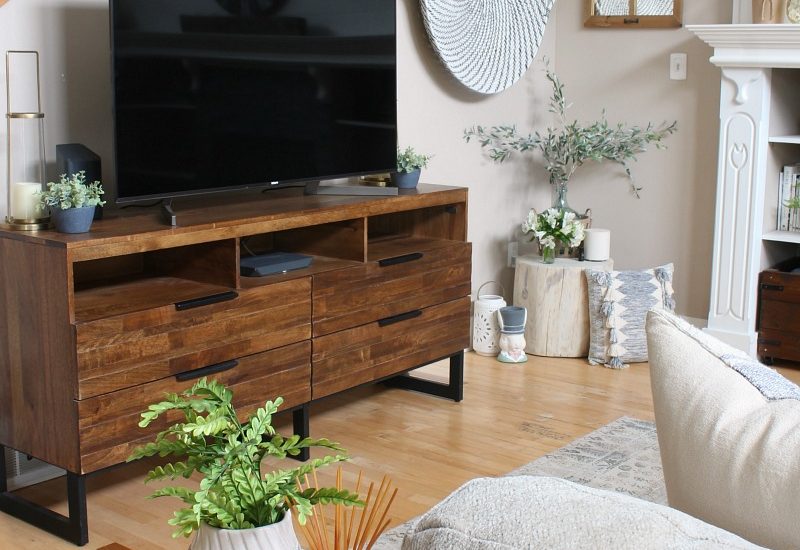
x=548 y=255
x=560 y=197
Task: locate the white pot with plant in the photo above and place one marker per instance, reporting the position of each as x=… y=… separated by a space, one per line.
x=409 y=167
x=236 y=505
x=568 y=146
x=72 y=202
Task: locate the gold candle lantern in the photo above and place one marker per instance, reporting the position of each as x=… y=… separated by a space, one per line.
x=26 y=160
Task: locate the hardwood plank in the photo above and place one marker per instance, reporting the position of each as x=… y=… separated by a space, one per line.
x=511 y=415
x=346 y=240
x=214 y=262
x=37 y=367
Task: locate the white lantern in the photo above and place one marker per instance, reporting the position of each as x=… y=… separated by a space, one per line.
x=485 y=330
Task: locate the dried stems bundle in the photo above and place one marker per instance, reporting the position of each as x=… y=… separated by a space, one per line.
x=361 y=529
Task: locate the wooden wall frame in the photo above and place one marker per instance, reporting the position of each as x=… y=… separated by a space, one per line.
x=632 y=21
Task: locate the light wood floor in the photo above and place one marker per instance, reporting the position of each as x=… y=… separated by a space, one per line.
x=511 y=414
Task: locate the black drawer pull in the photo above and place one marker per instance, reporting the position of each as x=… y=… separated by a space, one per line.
x=767 y=286
x=397 y=318
x=400 y=259
x=206 y=300
x=205 y=371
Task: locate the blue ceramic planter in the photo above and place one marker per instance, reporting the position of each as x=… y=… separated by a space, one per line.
x=406 y=180
x=72 y=220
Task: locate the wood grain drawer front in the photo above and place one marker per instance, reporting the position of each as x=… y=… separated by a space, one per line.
x=376 y=350
x=126 y=350
x=357 y=295
x=109 y=428
x=779 y=345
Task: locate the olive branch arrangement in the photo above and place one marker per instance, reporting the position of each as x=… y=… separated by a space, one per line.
x=568 y=146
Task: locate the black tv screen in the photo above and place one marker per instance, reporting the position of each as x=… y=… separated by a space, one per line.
x=222 y=94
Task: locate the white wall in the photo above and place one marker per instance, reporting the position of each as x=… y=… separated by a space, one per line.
x=624 y=71
x=72 y=38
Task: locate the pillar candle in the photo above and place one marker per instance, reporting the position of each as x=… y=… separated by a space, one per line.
x=24 y=200
x=597 y=245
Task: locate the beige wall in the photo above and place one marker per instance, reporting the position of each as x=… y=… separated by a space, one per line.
x=622 y=70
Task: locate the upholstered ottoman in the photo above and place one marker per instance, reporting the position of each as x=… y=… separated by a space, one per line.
x=552 y=513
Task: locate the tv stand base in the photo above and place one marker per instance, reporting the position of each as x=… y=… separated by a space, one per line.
x=74 y=528
x=453 y=390
x=168 y=214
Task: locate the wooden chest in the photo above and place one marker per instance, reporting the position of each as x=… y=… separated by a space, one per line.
x=779 y=312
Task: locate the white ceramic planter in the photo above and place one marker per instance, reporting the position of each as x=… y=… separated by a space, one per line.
x=278 y=536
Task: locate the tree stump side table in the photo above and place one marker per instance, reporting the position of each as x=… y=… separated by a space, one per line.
x=557 y=299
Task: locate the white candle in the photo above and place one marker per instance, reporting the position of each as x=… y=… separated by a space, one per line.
x=24 y=201
x=597 y=245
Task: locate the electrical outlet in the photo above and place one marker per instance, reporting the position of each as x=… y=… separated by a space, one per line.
x=677 y=66
x=513 y=250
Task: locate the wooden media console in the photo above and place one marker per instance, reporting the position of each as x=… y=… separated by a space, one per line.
x=95 y=327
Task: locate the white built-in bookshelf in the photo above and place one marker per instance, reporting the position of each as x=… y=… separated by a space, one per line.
x=759 y=135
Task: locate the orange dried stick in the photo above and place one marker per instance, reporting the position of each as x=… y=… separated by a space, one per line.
x=378 y=533
x=378 y=501
x=361 y=524
x=353 y=511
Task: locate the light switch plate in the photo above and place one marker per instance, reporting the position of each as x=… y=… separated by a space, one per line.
x=677 y=66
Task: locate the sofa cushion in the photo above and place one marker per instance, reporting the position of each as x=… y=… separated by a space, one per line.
x=618 y=304
x=729 y=432
x=546 y=512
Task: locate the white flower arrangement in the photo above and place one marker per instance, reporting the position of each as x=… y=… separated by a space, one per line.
x=554 y=226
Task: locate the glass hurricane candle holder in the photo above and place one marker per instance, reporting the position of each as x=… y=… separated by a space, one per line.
x=25 y=156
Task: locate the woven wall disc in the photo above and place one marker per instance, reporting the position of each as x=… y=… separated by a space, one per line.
x=486 y=44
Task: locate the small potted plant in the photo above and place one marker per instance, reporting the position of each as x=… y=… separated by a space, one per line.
x=554 y=228
x=237 y=505
x=409 y=166
x=72 y=202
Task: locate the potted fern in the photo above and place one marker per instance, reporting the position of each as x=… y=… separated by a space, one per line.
x=237 y=505
x=409 y=167
x=566 y=147
x=72 y=202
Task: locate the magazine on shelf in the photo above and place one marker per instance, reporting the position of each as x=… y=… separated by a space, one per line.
x=788 y=187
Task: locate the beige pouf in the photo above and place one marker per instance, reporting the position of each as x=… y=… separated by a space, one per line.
x=552 y=513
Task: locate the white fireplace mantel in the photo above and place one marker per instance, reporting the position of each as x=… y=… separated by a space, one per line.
x=746 y=54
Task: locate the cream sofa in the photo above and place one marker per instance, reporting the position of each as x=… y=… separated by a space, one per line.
x=729 y=433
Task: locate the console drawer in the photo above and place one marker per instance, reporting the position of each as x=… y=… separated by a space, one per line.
x=125 y=350
x=435 y=273
x=109 y=428
x=370 y=352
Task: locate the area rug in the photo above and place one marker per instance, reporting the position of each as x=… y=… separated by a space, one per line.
x=621 y=456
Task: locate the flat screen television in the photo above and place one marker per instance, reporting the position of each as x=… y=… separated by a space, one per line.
x=212 y=95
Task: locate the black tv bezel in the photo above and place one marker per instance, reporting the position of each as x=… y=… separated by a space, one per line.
x=280 y=184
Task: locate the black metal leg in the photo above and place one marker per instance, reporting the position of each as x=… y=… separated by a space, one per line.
x=74 y=528
x=301 y=428
x=454 y=389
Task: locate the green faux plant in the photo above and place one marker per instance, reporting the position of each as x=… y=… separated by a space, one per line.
x=72 y=192
x=233 y=493
x=568 y=146
x=409 y=160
